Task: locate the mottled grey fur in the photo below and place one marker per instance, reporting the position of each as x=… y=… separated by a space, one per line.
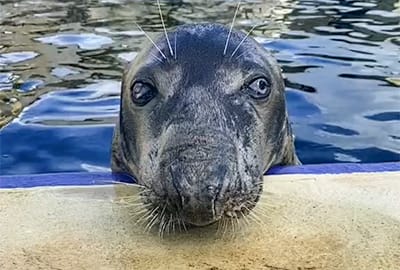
x=202 y=144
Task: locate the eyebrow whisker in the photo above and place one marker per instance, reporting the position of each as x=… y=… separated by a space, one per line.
x=156 y=57
x=243 y=40
x=237 y=57
x=230 y=30
x=165 y=30
x=151 y=40
x=175 y=47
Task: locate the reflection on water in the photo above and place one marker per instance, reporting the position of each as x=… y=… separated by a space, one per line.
x=61 y=65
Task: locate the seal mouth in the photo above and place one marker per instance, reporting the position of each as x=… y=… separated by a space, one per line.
x=180 y=206
x=169 y=214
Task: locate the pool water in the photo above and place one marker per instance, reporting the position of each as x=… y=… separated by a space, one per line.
x=61 y=66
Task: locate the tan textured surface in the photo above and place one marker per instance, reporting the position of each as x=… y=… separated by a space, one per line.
x=309 y=222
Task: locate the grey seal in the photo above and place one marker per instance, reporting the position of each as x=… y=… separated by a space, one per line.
x=202 y=117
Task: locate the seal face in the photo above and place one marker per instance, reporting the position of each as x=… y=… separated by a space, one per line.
x=199 y=127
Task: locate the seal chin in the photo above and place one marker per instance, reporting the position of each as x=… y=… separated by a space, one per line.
x=202 y=191
x=197 y=187
x=198 y=219
x=233 y=204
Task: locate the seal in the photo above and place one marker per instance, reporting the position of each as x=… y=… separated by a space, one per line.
x=202 y=117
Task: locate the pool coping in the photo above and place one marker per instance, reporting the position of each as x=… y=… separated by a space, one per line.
x=106 y=178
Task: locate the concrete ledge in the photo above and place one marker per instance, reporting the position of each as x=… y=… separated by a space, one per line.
x=302 y=221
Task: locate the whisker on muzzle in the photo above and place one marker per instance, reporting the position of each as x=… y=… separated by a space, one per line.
x=162 y=223
x=153 y=216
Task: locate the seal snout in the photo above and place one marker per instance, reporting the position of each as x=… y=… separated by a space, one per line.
x=197 y=168
x=198 y=186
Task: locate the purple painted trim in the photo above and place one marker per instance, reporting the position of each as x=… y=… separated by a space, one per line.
x=337 y=168
x=63 y=179
x=85 y=179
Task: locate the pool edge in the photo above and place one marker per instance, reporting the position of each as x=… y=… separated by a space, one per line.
x=104 y=178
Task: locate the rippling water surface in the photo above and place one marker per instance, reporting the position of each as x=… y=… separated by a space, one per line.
x=61 y=65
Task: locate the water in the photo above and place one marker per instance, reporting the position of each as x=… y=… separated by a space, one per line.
x=61 y=66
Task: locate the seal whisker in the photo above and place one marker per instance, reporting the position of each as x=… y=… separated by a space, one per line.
x=169 y=225
x=232 y=224
x=175 y=47
x=230 y=30
x=218 y=227
x=132 y=198
x=166 y=226
x=161 y=224
x=141 y=217
x=135 y=201
x=129 y=204
x=121 y=183
x=173 y=224
x=179 y=223
x=165 y=30
x=237 y=57
x=261 y=222
x=243 y=40
x=259 y=182
x=266 y=205
x=130 y=201
x=144 y=191
x=144 y=218
x=225 y=226
x=134 y=216
x=142 y=211
x=233 y=228
x=184 y=225
x=257 y=185
x=154 y=216
x=147 y=213
x=264 y=211
x=259 y=211
x=254 y=220
x=156 y=57
x=254 y=217
x=238 y=223
x=152 y=222
x=151 y=40
x=245 y=218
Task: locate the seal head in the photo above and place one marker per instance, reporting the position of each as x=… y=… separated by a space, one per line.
x=199 y=127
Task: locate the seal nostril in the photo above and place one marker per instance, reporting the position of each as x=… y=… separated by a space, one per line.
x=185 y=200
x=212 y=190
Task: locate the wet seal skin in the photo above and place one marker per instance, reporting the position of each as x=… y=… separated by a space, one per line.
x=202 y=117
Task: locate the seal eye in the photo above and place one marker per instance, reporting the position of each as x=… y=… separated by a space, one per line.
x=142 y=93
x=259 y=88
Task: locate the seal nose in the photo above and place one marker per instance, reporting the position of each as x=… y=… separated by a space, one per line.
x=212 y=190
x=199 y=191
